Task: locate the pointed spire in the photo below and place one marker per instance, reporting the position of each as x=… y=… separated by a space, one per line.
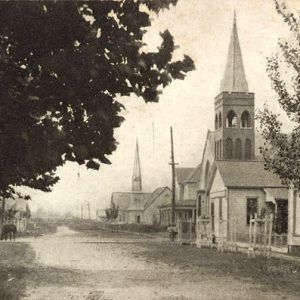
x=136 y=176
x=234 y=79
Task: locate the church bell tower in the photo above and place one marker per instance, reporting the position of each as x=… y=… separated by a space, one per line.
x=234 y=108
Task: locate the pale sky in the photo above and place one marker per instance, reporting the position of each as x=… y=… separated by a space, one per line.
x=202 y=29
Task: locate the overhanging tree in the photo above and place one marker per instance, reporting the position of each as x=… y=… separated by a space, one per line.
x=63 y=66
x=281 y=150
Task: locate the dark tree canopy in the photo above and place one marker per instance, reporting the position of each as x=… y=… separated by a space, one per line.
x=62 y=67
x=112 y=212
x=282 y=150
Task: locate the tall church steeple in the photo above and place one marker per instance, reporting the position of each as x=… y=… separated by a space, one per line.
x=137 y=176
x=234 y=108
x=234 y=79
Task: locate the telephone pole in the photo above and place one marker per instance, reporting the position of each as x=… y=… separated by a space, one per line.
x=81 y=212
x=172 y=163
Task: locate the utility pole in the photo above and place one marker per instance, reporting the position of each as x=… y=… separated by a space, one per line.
x=89 y=211
x=81 y=212
x=173 y=178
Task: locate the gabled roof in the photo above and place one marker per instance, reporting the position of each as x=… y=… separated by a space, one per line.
x=211 y=140
x=155 y=195
x=234 y=79
x=247 y=174
x=194 y=175
x=182 y=174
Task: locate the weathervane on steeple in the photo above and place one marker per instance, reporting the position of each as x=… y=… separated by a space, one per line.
x=234 y=16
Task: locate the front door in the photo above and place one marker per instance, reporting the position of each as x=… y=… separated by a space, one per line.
x=281 y=218
x=138 y=219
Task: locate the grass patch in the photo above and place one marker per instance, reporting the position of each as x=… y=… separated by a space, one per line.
x=273 y=273
x=14 y=259
x=81 y=225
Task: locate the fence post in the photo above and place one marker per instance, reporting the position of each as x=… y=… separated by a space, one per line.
x=179 y=230
x=270 y=234
x=199 y=232
x=265 y=236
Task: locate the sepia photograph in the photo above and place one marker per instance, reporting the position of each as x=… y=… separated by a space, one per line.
x=150 y=150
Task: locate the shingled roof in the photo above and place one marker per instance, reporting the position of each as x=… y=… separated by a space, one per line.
x=194 y=175
x=247 y=174
x=154 y=195
x=182 y=174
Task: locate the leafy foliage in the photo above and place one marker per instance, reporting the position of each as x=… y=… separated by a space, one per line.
x=281 y=151
x=112 y=212
x=63 y=65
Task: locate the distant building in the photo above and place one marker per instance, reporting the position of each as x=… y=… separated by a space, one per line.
x=131 y=204
x=17 y=212
x=152 y=213
x=138 y=206
x=100 y=215
x=186 y=196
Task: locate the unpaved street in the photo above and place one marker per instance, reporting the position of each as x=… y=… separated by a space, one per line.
x=108 y=266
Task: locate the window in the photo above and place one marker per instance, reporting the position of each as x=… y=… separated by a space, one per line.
x=251 y=208
x=248 y=149
x=220 y=150
x=246 y=119
x=238 y=149
x=217 y=153
x=229 y=148
x=220 y=120
x=231 y=120
x=216 y=121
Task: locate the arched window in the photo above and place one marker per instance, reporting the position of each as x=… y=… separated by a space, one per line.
x=220 y=120
x=248 y=149
x=246 y=119
x=206 y=173
x=231 y=120
x=216 y=121
x=229 y=148
x=238 y=149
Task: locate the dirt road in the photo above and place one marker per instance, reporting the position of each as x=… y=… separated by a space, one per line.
x=107 y=266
